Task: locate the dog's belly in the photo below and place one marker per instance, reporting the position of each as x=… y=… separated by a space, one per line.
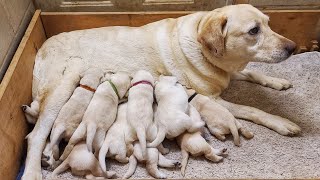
x=114 y=49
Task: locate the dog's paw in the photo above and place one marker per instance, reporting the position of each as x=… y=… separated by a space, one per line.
x=276 y=83
x=283 y=126
x=288 y=129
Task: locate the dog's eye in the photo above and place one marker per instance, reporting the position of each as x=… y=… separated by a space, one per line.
x=254 y=31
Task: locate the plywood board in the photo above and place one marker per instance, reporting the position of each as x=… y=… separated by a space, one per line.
x=298 y=25
x=15 y=90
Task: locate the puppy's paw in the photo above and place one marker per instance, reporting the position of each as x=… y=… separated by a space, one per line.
x=111 y=174
x=177 y=164
x=246 y=133
x=24 y=108
x=161 y=175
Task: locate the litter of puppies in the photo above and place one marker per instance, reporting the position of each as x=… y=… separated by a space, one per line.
x=97 y=122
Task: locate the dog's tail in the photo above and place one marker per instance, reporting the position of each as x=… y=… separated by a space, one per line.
x=235 y=134
x=132 y=167
x=91 y=132
x=160 y=137
x=141 y=134
x=61 y=168
x=77 y=136
x=102 y=155
x=184 y=162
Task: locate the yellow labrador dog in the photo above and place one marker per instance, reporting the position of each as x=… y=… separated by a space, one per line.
x=203 y=50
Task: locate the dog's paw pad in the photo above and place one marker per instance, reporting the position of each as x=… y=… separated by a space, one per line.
x=177 y=164
x=24 y=108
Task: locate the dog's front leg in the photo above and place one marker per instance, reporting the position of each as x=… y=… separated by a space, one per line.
x=37 y=138
x=281 y=125
x=259 y=78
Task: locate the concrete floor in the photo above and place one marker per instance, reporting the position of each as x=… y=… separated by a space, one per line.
x=268 y=154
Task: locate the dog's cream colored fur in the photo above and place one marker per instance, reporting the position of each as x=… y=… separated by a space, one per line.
x=219 y=120
x=152 y=160
x=72 y=112
x=196 y=145
x=119 y=139
x=174 y=114
x=140 y=110
x=100 y=114
x=203 y=50
x=82 y=163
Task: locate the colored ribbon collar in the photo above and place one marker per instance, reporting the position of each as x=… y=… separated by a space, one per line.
x=191 y=97
x=142 y=82
x=114 y=88
x=87 y=88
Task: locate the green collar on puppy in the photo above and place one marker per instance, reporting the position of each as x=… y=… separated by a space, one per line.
x=114 y=88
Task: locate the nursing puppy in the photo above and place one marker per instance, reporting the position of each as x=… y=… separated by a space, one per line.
x=72 y=112
x=82 y=163
x=196 y=145
x=100 y=114
x=119 y=139
x=140 y=102
x=219 y=120
x=152 y=160
x=172 y=117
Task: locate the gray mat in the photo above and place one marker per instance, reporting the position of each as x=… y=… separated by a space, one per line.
x=268 y=154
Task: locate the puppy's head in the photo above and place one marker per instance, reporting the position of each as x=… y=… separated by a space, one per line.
x=91 y=77
x=122 y=82
x=143 y=75
x=234 y=35
x=164 y=84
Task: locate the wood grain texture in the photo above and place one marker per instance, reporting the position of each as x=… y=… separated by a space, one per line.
x=297 y=25
x=15 y=90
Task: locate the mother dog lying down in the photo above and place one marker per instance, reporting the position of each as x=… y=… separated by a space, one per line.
x=203 y=50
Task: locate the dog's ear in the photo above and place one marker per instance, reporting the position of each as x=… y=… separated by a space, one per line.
x=211 y=36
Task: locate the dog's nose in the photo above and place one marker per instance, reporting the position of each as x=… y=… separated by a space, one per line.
x=290 y=47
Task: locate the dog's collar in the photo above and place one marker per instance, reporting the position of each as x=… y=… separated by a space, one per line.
x=87 y=88
x=192 y=96
x=114 y=88
x=142 y=82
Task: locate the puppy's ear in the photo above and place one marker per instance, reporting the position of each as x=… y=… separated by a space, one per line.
x=211 y=36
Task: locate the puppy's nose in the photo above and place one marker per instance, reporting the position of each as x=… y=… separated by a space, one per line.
x=290 y=47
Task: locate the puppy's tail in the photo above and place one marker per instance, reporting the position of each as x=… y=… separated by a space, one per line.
x=56 y=135
x=141 y=133
x=132 y=167
x=235 y=134
x=61 y=168
x=102 y=155
x=184 y=162
x=160 y=137
x=77 y=136
x=91 y=132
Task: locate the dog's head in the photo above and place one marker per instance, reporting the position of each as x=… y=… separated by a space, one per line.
x=234 y=35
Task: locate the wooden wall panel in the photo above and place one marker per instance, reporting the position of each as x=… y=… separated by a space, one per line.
x=15 y=90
